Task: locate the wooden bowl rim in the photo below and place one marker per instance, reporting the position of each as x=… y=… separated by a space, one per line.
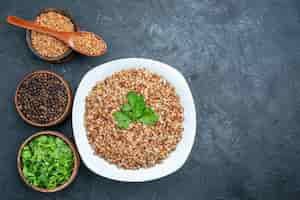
x=67 y=109
x=68 y=142
x=62 y=58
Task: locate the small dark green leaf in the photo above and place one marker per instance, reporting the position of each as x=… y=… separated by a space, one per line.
x=138 y=107
x=126 y=107
x=149 y=117
x=122 y=119
x=131 y=97
x=26 y=154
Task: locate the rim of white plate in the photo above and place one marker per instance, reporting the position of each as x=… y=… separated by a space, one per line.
x=168 y=166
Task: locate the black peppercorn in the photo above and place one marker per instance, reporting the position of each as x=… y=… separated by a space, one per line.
x=42 y=98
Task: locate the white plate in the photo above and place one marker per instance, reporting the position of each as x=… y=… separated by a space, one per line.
x=176 y=159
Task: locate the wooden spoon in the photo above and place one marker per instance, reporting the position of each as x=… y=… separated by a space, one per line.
x=86 y=43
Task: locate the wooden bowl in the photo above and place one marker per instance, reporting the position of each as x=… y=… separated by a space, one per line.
x=67 y=109
x=68 y=55
x=68 y=142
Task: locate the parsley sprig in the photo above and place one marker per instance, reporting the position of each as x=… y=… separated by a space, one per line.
x=135 y=110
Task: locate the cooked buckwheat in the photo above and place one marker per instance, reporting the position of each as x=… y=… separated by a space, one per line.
x=47 y=45
x=89 y=44
x=139 y=146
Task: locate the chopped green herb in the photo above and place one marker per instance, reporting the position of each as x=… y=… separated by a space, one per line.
x=47 y=162
x=135 y=110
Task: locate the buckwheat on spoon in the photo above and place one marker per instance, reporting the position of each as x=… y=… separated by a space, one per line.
x=86 y=43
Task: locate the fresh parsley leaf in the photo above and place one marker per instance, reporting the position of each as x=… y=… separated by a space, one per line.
x=135 y=110
x=131 y=98
x=137 y=104
x=126 y=107
x=139 y=107
x=122 y=119
x=149 y=117
x=26 y=153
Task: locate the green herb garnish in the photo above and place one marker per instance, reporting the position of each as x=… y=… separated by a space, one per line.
x=47 y=162
x=135 y=110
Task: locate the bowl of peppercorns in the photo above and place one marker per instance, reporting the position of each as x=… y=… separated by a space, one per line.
x=43 y=98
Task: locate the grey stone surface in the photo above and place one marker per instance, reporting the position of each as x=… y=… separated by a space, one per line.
x=242 y=61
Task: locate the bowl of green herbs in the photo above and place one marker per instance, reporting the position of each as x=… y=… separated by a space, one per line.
x=48 y=161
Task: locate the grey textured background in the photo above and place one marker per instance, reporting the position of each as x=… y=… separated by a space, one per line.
x=241 y=59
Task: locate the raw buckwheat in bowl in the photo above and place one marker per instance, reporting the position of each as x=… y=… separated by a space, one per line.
x=134 y=120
